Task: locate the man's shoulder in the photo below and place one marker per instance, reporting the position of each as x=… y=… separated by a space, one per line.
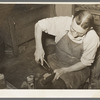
x=92 y=34
x=63 y=17
x=92 y=37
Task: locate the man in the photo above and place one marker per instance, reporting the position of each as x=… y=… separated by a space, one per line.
x=76 y=46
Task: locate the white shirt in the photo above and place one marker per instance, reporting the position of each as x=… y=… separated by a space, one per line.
x=58 y=26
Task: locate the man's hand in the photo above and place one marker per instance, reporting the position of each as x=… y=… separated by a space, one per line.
x=59 y=72
x=46 y=75
x=39 y=55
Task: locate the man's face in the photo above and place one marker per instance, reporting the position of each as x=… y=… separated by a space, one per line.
x=77 y=30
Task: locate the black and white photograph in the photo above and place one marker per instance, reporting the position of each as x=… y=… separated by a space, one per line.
x=50 y=46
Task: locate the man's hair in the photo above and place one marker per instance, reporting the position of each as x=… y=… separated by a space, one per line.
x=84 y=18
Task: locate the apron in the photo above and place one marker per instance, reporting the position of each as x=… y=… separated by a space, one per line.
x=68 y=53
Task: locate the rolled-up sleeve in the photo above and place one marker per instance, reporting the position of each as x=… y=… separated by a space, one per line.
x=90 y=45
x=42 y=24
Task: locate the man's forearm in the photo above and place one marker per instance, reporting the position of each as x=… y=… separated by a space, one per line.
x=38 y=36
x=75 y=67
x=39 y=52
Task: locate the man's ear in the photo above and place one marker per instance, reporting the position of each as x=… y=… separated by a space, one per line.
x=72 y=16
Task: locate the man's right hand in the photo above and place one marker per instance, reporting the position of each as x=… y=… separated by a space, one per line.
x=39 y=55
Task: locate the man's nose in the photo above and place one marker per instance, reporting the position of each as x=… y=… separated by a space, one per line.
x=75 y=35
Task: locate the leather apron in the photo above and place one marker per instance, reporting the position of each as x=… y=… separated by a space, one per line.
x=69 y=53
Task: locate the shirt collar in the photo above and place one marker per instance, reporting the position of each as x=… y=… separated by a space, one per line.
x=76 y=40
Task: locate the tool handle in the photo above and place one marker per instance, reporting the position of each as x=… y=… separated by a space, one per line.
x=47 y=67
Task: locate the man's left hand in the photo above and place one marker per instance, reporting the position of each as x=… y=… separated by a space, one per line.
x=59 y=72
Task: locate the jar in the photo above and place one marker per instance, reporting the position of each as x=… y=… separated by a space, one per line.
x=2 y=81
